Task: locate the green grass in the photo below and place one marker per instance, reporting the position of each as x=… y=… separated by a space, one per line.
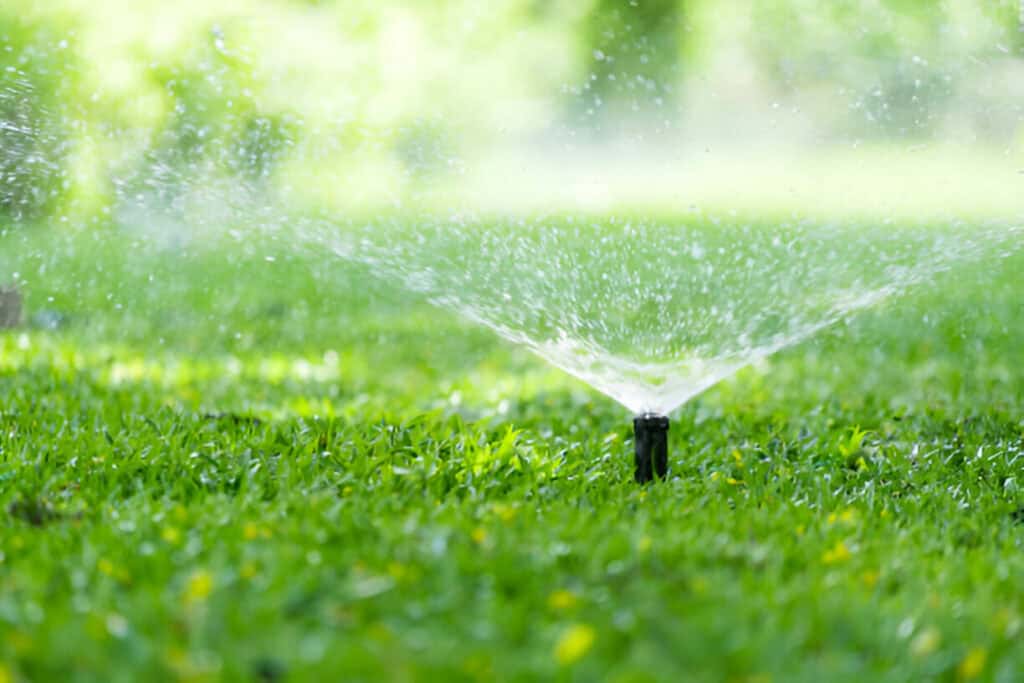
x=224 y=468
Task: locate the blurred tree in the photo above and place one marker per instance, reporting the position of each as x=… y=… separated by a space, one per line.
x=887 y=64
x=36 y=76
x=632 y=51
x=214 y=125
x=1009 y=16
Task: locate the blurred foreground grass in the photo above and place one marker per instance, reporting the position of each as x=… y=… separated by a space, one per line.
x=230 y=464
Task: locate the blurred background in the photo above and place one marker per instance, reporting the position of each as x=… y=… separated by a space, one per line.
x=866 y=106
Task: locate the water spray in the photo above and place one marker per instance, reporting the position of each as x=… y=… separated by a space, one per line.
x=650 y=437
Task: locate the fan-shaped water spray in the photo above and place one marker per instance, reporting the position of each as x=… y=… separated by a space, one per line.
x=651 y=313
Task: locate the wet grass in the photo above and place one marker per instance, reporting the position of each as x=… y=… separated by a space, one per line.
x=214 y=466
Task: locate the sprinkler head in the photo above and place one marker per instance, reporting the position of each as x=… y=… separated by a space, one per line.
x=650 y=440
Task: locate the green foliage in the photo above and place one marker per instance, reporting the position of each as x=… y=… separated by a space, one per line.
x=1009 y=15
x=214 y=122
x=901 y=93
x=633 y=51
x=37 y=74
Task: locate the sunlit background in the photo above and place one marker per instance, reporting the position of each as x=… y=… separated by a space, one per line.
x=875 y=106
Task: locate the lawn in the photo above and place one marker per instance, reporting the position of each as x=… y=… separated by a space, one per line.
x=231 y=464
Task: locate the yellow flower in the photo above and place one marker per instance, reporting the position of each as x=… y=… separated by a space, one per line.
x=479 y=535
x=847 y=517
x=737 y=458
x=5 y=675
x=399 y=571
x=505 y=512
x=926 y=642
x=250 y=531
x=105 y=566
x=870 y=578
x=644 y=544
x=199 y=586
x=248 y=571
x=973 y=664
x=836 y=554
x=171 y=535
x=562 y=600
x=575 y=642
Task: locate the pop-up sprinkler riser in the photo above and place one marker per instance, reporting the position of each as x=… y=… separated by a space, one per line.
x=650 y=438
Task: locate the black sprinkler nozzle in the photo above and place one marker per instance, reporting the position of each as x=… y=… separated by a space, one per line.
x=650 y=439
